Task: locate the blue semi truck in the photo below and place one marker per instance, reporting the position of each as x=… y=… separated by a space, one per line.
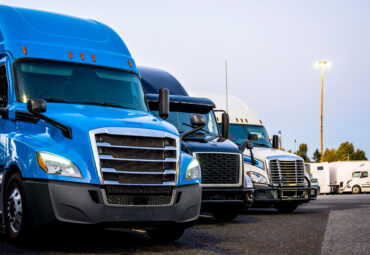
x=77 y=142
x=226 y=189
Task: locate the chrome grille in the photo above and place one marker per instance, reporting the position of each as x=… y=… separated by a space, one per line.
x=136 y=160
x=220 y=168
x=288 y=172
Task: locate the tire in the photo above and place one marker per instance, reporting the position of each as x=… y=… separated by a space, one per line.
x=166 y=234
x=15 y=209
x=356 y=190
x=286 y=207
x=226 y=215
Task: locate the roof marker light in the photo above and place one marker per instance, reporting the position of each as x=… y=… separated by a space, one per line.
x=217 y=119
x=237 y=120
x=241 y=120
x=82 y=56
x=129 y=63
x=93 y=57
x=246 y=120
x=25 y=50
x=261 y=122
x=70 y=54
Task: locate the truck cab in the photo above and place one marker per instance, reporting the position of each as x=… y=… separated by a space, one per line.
x=77 y=142
x=279 y=178
x=225 y=188
x=360 y=181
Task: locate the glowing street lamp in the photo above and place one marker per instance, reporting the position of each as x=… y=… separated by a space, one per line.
x=322 y=65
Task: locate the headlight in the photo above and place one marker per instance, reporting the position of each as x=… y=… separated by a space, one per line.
x=247 y=182
x=53 y=164
x=258 y=178
x=193 y=170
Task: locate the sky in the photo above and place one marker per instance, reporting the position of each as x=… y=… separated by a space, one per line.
x=270 y=46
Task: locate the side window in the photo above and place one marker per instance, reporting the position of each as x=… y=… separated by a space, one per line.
x=365 y=175
x=3 y=87
x=320 y=168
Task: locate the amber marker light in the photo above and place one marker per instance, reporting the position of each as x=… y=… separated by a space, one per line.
x=70 y=54
x=24 y=50
x=93 y=57
x=82 y=56
x=41 y=162
x=129 y=63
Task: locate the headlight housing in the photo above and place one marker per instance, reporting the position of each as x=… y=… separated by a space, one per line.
x=193 y=170
x=54 y=164
x=247 y=182
x=257 y=178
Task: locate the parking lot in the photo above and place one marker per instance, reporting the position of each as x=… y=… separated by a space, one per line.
x=338 y=224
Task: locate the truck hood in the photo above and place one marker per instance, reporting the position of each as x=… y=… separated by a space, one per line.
x=89 y=117
x=217 y=144
x=263 y=153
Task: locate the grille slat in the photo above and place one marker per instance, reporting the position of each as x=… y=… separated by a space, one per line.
x=220 y=168
x=290 y=172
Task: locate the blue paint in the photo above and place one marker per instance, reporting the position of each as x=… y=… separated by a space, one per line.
x=259 y=163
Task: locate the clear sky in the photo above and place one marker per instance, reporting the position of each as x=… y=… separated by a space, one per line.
x=270 y=46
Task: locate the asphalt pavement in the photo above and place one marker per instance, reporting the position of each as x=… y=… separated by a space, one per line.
x=334 y=224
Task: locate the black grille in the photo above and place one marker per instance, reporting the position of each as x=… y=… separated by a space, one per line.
x=288 y=172
x=139 y=195
x=219 y=168
x=137 y=159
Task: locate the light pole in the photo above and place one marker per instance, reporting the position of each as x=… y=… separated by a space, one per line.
x=322 y=65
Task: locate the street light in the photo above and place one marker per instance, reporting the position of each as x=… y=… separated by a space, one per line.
x=322 y=65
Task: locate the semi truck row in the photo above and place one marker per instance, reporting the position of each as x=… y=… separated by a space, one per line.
x=88 y=138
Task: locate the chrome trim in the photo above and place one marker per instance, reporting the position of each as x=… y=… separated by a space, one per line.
x=113 y=205
x=112 y=170
x=106 y=182
x=110 y=157
x=131 y=132
x=224 y=185
x=295 y=174
x=108 y=145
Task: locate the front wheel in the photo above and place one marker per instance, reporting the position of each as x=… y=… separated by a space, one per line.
x=15 y=210
x=356 y=190
x=226 y=215
x=286 y=207
x=166 y=234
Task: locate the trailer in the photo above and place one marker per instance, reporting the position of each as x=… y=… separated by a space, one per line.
x=322 y=173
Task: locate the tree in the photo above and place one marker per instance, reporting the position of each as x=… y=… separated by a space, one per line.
x=359 y=155
x=302 y=151
x=316 y=157
x=345 y=151
x=329 y=155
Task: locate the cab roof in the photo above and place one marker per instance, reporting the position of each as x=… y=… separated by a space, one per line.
x=26 y=33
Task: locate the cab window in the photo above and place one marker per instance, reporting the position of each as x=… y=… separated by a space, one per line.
x=364 y=174
x=3 y=87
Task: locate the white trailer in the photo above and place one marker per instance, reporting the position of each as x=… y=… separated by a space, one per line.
x=341 y=173
x=322 y=173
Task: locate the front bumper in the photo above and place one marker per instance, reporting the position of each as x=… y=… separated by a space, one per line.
x=264 y=194
x=218 y=197
x=52 y=201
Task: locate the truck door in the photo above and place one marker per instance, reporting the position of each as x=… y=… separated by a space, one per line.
x=3 y=111
x=365 y=181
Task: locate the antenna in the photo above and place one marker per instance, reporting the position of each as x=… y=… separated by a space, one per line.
x=227 y=93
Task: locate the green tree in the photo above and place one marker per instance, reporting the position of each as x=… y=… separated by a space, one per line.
x=302 y=151
x=345 y=151
x=329 y=155
x=359 y=155
x=316 y=157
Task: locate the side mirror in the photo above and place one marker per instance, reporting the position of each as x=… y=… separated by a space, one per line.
x=252 y=137
x=225 y=125
x=247 y=145
x=275 y=142
x=164 y=103
x=36 y=105
x=197 y=120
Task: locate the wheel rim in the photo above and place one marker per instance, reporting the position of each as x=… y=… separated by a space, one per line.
x=14 y=210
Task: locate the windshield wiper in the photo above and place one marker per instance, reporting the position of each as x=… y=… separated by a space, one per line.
x=104 y=104
x=202 y=129
x=53 y=100
x=261 y=144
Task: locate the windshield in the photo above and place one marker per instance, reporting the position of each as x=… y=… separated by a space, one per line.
x=78 y=84
x=356 y=174
x=239 y=133
x=181 y=120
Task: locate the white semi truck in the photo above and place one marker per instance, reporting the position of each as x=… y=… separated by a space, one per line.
x=279 y=177
x=360 y=181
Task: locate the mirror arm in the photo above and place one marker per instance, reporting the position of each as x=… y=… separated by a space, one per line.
x=253 y=161
x=191 y=131
x=67 y=131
